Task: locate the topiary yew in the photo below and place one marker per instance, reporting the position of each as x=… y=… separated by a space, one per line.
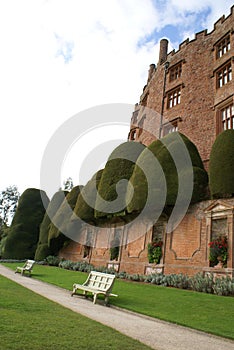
x=43 y=249
x=175 y=152
x=58 y=233
x=221 y=167
x=83 y=209
x=23 y=234
x=119 y=167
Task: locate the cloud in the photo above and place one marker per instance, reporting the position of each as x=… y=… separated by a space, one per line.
x=65 y=48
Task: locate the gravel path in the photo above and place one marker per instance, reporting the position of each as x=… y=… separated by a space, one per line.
x=157 y=334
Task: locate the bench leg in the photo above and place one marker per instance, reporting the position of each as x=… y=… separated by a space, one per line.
x=106 y=301
x=73 y=292
x=94 y=298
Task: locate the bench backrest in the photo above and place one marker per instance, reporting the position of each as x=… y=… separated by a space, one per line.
x=29 y=264
x=101 y=281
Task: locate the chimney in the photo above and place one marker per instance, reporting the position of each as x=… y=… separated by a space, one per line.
x=163 y=51
x=151 y=71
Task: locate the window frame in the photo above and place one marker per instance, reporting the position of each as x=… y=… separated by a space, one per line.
x=175 y=71
x=224 y=113
x=224 y=74
x=223 y=46
x=174 y=97
x=227 y=117
x=171 y=126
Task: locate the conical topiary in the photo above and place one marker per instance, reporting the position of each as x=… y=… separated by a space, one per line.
x=58 y=233
x=23 y=234
x=43 y=249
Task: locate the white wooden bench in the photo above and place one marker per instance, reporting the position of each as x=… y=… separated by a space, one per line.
x=97 y=283
x=26 y=268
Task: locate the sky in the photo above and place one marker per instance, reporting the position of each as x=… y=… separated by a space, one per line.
x=62 y=57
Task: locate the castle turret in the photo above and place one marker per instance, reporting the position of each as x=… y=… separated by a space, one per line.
x=163 y=51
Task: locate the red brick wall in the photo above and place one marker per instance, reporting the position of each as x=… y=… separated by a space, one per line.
x=185 y=250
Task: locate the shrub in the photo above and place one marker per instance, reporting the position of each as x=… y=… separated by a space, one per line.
x=173 y=146
x=200 y=283
x=118 y=167
x=82 y=266
x=59 y=229
x=82 y=209
x=66 y=264
x=224 y=286
x=22 y=237
x=52 y=260
x=221 y=169
x=43 y=250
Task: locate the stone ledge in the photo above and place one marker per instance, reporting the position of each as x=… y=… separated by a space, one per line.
x=218 y=272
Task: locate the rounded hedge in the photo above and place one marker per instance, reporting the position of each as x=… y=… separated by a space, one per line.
x=82 y=209
x=118 y=167
x=138 y=179
x=166 y=150
x=221 y=167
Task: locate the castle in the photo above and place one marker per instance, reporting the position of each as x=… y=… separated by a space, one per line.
x=190 y=90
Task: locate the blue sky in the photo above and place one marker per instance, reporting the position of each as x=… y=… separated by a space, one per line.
x=60 y=57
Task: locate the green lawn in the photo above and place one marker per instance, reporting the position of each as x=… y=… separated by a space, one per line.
x=31 y=322
x=206 y=312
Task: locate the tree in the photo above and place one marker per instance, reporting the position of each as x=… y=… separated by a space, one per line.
x=8 y=204
x=67 y=184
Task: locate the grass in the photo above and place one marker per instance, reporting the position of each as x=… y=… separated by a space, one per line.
x=205 y=312
x=31 y=322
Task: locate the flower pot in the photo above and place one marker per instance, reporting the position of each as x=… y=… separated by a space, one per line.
x=220 y=262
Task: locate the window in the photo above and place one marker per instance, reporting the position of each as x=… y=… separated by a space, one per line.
x=223 y=46
x=175 y=72
x=132 y=135
x=171 y=126
x=173 y=97
x=224 y=75
x=88 y=243
x=227 y=117
x=168 y=129
x=115 y=244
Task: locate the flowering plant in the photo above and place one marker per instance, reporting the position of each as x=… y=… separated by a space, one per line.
x=155 y=251
x=219 y=248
